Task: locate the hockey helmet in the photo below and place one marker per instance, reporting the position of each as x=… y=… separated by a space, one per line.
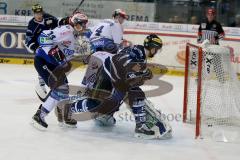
x=37 y=8
x=79 y=18
x=152 y=41
x=119 y=12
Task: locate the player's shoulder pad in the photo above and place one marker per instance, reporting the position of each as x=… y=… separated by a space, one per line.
x=141 y=47
x=125 y=50
x=32 y=24
x=64 y=30
x=68 y=27
x=46 y=16
x=64 y=27
x=109 y=21
x=137 y=53
x=31 y=21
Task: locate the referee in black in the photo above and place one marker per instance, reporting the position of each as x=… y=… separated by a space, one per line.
x=210 y=29
x=213 y=31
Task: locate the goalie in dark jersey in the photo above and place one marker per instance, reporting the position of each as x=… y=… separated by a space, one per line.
x=126 y=71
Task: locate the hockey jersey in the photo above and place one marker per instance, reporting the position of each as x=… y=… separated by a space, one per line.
x=129 y=64
x=109 y=29
x=63 y=38
x=35 y=28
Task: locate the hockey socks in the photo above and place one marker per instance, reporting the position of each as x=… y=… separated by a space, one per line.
x=50 y=104
x=139 y=112
x=84 y=105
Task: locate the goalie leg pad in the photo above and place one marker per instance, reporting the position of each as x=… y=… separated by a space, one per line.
x=155 y=121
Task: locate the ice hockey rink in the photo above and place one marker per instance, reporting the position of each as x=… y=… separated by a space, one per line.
x=19 y=140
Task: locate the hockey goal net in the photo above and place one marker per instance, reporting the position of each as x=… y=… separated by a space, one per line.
x=211 y=93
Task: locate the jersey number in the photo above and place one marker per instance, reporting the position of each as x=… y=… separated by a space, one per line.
x=51 y=35
x=99 y=31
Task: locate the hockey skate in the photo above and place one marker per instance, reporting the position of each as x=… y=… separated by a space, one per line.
x=142 y=131
x=67 y=118
x=38 y=119
x=59 y=114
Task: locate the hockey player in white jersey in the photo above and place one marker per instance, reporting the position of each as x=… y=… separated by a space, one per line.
x=108 y=34
x=57 y=48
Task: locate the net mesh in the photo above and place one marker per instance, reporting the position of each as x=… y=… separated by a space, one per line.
x=220 y=92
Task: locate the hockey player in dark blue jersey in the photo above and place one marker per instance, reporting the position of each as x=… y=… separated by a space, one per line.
x=126 y=71
x=40 y=22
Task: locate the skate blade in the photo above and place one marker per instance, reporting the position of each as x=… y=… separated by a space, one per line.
x=165 y=136
x=38 y=126
x=101 y=124
x=61 y=124
x=144 y=136
x=64 y=125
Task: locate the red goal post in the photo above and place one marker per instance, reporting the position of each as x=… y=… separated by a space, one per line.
x=211 y=92
x=198 y=115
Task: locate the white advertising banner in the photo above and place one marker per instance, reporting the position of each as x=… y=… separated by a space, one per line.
x=136 y=11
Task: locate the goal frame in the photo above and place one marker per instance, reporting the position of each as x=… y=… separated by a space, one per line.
x=199 y=87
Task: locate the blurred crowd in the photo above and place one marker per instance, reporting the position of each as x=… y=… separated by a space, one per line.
x=193 y=11
x=195 y=20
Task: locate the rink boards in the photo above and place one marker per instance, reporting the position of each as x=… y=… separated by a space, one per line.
x=174 y=36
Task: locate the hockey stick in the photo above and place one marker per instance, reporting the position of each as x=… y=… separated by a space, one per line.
x=79 y=5
x=43 y=99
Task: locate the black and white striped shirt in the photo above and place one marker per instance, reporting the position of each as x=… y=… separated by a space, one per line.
x=212 y=31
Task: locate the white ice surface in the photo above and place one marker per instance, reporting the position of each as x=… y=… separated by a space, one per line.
x=20 y=141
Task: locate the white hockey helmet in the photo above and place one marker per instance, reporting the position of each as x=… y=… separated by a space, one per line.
x=119 y=12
